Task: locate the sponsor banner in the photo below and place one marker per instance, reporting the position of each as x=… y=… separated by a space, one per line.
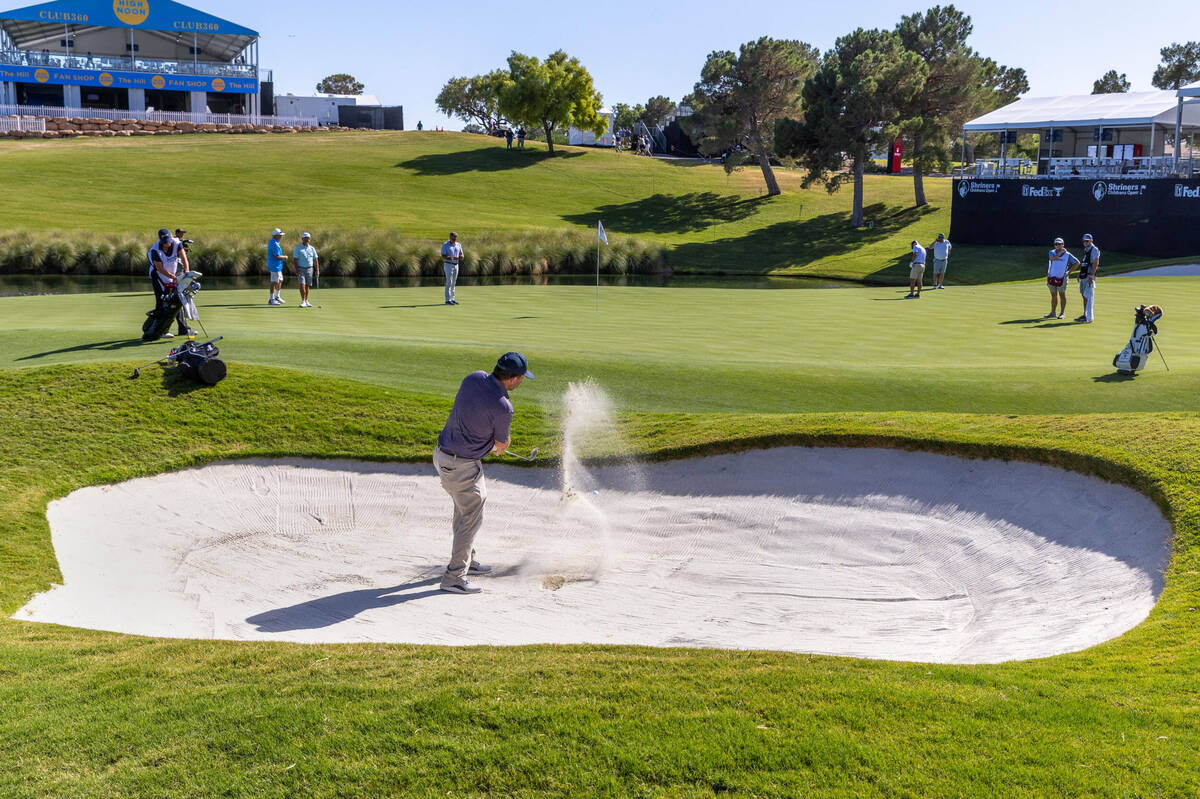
x=155 y=15
x=1155 y=217
x=127 y=80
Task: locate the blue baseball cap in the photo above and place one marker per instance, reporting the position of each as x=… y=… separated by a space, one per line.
x=164 y=234
x=515 y=363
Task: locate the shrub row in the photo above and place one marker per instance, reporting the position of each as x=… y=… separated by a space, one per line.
x=343 y=253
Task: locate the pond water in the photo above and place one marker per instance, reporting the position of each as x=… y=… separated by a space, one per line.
x=30 y=285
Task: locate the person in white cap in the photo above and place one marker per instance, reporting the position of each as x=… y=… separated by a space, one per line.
x=941 y=255
x=307 y=267
x=1058 y=272
x=275 y=261
x=1087 y=277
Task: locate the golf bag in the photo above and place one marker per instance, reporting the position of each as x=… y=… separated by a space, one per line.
x=170 y=303
x=199 y=361
x=1133 y=358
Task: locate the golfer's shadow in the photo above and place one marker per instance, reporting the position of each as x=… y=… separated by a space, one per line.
x=119 y=344
x=420 y=305
x=1113 y=377
x=330 y=610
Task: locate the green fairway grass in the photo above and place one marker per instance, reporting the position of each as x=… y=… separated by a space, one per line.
x=973 y=370
x=982 y=349
x=422 y=185
x=98 y=714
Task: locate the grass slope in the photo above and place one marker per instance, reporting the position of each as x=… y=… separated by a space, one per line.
x=96 y=714
x=422 y=185
x=979 y=349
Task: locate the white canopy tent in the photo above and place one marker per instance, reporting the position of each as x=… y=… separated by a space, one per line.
x=1141 y=119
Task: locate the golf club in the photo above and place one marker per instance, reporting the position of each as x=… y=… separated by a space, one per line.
x=138 y=371
x=532 y=454
x=318 y=291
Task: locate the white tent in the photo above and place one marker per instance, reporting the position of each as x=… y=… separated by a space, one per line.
x=1191 y=90
x=1122 y=110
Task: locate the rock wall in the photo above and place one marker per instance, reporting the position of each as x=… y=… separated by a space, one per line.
x=70 y=127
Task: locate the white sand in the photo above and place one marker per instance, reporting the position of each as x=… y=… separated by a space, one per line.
x=1178 y=270
x=868 y=553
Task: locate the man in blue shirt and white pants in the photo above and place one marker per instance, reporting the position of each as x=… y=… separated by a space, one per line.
x=275 y=259
x=452 y=254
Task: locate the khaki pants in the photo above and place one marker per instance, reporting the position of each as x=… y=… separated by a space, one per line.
x=462 y=479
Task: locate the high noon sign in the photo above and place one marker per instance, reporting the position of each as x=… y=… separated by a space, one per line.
x=131 y=12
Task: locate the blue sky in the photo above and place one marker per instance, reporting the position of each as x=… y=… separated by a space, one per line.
x=404 y=53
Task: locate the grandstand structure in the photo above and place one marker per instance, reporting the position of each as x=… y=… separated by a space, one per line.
x=135 y=58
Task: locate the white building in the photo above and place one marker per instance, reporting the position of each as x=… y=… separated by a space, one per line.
x=322 y=106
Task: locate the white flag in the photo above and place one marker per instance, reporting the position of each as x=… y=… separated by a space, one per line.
x=603 y=237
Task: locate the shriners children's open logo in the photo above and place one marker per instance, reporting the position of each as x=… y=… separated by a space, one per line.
x=218 y=85
x=106 y=79
x=41 y=76
x=131 y=12
x=158 y=81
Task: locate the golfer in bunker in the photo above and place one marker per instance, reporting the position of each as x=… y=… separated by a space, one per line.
x=478 y=426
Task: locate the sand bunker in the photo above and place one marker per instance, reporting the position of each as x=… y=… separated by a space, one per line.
x=868 y=553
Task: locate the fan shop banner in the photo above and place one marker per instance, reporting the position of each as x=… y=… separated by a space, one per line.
x=1155 y=217
x=57 y=76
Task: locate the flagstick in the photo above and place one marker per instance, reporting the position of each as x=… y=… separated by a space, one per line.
x=597 y=275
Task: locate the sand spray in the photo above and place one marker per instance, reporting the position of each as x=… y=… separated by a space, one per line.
x=588 y=428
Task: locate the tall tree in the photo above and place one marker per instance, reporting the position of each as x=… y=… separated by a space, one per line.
x=626 y=116
x=341 y=83
x=474 y=100
x=657 y=110
x=553 y=93
x=741 y=95
x=853 y=105
x=1180 y=66
x=1001 y=85
x=1111 y=83
x=939 y=37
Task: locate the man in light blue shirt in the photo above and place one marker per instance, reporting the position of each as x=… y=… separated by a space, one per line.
x=275 y=260
x=452 y=255
x=308 y=267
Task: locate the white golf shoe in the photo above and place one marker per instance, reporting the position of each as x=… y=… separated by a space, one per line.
x=463 y=587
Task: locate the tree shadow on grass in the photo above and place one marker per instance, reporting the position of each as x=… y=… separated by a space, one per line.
x=795 y=243
x=664 y=213
x=119 y=344
x=487 y=159
x=327 y=611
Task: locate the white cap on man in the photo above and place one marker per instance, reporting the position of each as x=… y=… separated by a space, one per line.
x=1087 y=236
x=1059 y=241
x=306 y=235
x=276 y=232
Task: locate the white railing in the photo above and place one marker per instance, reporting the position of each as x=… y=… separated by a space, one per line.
x=1085 y=168
x=153 y=116
x=17 y=123
x=29 y=58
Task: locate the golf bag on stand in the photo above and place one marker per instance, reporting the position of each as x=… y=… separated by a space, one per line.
x=1132 y=359
x=158 y=322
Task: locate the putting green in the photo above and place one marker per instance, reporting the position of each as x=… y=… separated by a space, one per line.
x=981 y=349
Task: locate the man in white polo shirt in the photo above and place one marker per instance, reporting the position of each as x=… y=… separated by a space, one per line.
x=941 y=255
x=1058 y=274
x=452 y=254
x=308 y=267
